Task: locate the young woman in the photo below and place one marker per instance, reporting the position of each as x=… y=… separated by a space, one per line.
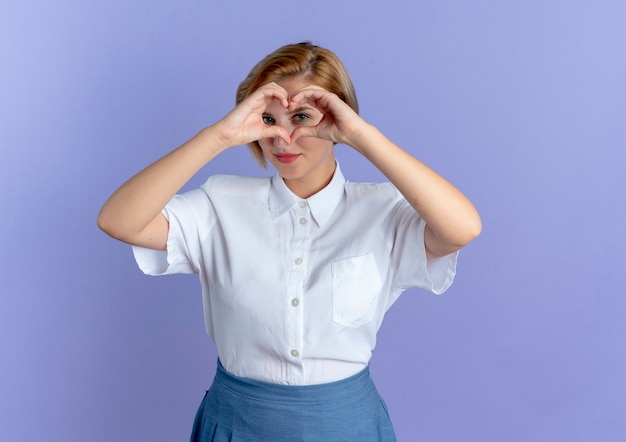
x=297 y=270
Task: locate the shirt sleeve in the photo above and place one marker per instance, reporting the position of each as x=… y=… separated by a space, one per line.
x=408 y=258
x=191 y=217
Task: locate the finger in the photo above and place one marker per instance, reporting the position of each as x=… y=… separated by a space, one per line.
x=308 y=131
x=277 y=131
x=313 y=95
x=274 y=91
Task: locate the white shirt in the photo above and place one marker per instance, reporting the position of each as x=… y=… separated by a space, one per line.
x=295 y=290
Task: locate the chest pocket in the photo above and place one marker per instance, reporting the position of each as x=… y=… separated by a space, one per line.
x=356 y=287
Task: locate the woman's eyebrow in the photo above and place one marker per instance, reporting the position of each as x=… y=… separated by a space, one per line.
x=302 y=108
x=291 y=112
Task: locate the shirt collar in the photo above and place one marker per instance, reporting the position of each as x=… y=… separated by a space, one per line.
x=322 y=204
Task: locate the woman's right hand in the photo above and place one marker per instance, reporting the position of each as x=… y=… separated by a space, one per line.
x=133 y=212
x=244 y=124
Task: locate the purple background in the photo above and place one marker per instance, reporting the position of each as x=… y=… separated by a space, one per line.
x=522 y=104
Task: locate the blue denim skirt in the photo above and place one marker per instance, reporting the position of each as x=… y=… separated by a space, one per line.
x=239 y=409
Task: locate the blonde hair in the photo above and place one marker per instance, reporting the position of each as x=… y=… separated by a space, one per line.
x=318 y=65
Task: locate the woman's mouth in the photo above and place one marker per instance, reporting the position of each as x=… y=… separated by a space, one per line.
x=286 y=158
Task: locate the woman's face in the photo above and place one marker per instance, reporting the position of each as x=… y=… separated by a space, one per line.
x=306 y=165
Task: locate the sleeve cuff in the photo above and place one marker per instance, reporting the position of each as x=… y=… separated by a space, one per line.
x=441 y=272
x=151 y=262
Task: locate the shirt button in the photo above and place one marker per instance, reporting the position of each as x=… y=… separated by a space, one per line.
x=302 y=204
x=303 y=221
x=298 y=261
x=295 y=302
x=294 y=353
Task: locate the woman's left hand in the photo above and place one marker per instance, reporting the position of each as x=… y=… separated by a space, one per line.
x=339 y=122
x=452 y=221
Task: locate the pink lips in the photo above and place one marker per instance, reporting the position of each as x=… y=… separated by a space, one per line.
x=286 y=158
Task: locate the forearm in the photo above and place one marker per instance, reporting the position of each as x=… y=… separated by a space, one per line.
x=451 y=218
x=140 y=200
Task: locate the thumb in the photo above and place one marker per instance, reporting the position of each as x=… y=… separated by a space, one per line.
x=304 y=131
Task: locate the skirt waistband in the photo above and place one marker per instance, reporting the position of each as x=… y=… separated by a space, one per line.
x=344 y=389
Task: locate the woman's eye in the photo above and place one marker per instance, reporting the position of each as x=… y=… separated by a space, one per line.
x=268 y=120
x=301 y=117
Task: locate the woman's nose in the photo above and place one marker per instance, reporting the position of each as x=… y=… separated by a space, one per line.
x=279 y=142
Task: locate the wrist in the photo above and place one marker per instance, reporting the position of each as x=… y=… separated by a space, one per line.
x=214 y=138
x=361 y=136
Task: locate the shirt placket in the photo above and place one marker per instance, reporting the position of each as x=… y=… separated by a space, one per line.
x=294 y=297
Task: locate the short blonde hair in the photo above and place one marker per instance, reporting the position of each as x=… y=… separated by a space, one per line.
x=318 y=65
